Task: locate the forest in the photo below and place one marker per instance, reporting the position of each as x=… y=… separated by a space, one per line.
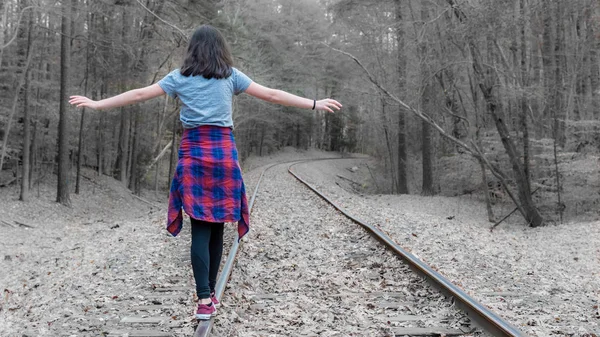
x=497 y=98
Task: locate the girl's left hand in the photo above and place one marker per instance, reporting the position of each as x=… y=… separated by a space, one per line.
x=84 y=102
x=328 y=104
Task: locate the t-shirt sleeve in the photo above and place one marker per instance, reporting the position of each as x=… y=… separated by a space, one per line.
x=241 y=82
x=169 y=83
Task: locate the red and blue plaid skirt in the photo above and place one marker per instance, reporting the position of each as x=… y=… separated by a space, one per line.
x=208 y=182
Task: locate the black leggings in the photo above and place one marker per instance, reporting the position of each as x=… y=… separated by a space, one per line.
x=207 y=249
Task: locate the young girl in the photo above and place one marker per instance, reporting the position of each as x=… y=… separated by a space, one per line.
x=208 y=181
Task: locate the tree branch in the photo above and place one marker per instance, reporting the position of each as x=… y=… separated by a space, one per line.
x=17 y=29
x=155 y=160
x=416 y=112
x=184 y=35
x=475 y=152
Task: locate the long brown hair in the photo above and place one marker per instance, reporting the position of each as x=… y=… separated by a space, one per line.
x=208 y=54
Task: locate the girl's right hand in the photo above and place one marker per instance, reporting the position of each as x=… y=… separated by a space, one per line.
x=328 y=104
x=84 y=102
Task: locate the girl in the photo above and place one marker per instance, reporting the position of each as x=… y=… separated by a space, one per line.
x=208 y=181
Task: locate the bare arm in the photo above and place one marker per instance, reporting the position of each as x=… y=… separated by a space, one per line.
x=285 y=98
x=126 y=98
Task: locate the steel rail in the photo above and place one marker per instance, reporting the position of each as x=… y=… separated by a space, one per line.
x=482 y=316
x=205 y=326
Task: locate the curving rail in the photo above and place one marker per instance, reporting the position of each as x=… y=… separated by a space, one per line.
x=487 y=320
x=482 y=316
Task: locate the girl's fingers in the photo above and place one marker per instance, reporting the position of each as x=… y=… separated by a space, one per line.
x=332 y=106
x=333 y=101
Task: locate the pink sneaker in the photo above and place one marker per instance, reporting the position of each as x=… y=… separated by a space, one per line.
x=205 y=311
x=214 y=299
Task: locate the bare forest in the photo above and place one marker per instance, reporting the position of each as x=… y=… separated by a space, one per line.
x=473 y=120
x=506 y=90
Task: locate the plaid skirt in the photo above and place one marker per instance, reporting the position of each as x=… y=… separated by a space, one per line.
x=208 y=182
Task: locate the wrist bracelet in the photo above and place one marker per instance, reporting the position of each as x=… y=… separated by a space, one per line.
x=314 y=104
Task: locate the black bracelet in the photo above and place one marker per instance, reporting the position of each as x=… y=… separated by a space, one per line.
x=314 y=104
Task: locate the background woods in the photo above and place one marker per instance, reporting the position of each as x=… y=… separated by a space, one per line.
x=498 y=99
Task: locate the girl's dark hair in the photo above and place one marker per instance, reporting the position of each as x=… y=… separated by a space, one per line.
x=208 y=55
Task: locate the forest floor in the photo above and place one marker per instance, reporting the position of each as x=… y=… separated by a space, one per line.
x=71 y=271
x=66 y=274
x=546 y=280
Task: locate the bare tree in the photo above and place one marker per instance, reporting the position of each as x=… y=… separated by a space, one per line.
x=25 y=176
x=62 y=194
x=401 y=68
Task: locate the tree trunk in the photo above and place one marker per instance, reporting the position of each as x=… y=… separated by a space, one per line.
x=427 y=187
x=81 y=127
x=62 y=194
x=123 y=148
x=523 y=98
x=26 y=119
x=100 y=145
x=26 y=140
x=3 y=19
x=535 y=70
x=486 y=85
x=401 y=69
x=159 y=126
x=13 y=110
x=122 y=153
x=173 y=156
x=548 y=65
x=559 y=50
x=85 y=91
x=487 y=81
x=388 y=144
x=594 y=70
x=426 y=94
x=478 y=127
x=100 y=132
x=33 y=159
x=134 y=170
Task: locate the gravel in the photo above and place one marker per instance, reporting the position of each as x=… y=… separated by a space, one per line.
x=306 y=270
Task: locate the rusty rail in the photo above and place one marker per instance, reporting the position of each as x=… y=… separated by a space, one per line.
x=482 y=316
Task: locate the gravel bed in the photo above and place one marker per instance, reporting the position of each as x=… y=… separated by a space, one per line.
x=546 y=281
x=307 y=270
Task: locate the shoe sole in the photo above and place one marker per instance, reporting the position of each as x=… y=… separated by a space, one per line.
x=205 y=317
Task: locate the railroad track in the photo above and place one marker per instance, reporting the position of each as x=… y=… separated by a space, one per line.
x=480 y=315
x=164 y=310
x=344 y=283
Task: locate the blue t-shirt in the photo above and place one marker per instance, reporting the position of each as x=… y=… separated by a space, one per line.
x=205 y=102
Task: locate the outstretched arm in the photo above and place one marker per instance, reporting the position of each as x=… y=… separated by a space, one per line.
x=285 y=98
x=126 y=98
